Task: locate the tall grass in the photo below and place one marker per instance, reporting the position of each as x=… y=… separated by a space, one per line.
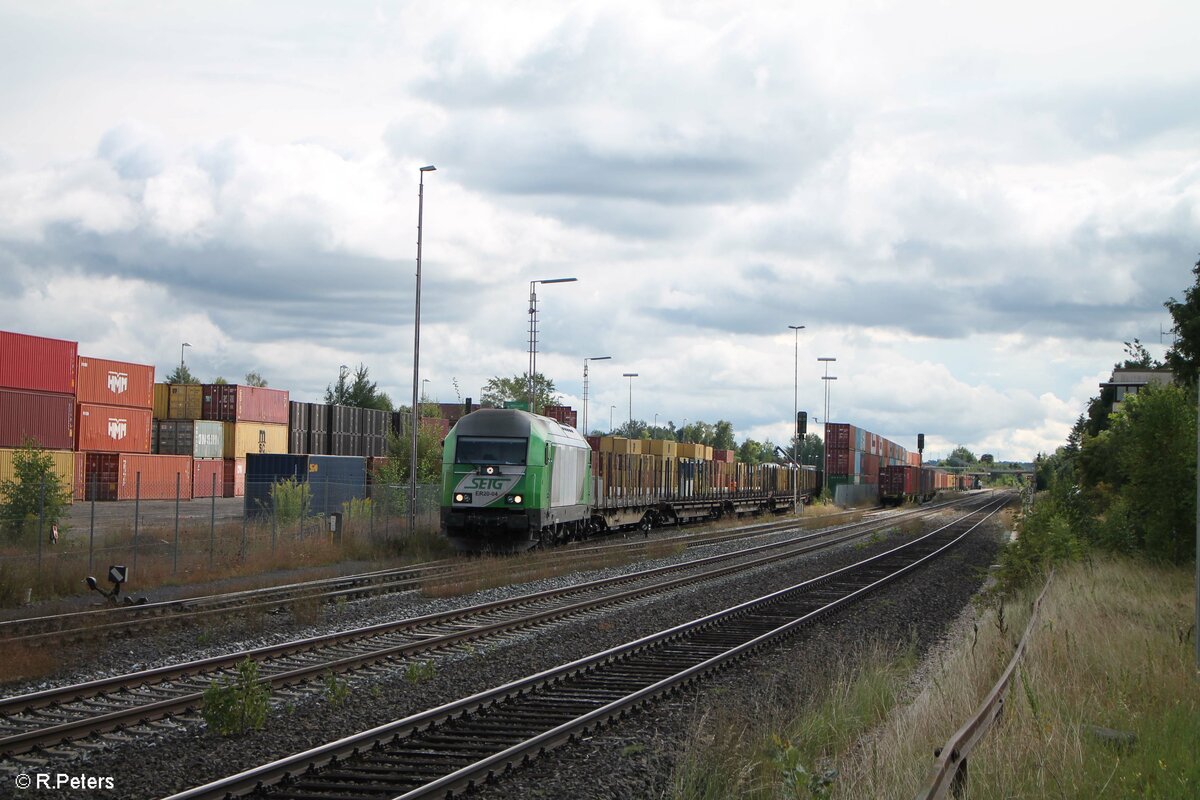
x=1112 y=649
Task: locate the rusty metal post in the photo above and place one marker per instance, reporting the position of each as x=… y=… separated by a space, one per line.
x=137 y=506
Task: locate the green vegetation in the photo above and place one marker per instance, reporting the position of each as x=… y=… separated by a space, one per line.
x=182 y=374
x=255 y=379
x=419 y=672
x=291 y=500
x=35 y=492
x=358 y=391
x=337 y=690
x=499 y=391
x=237 y=706
x=782 y=744
x=1111 y=650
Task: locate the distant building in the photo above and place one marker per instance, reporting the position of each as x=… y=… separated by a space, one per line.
x=1126 y=381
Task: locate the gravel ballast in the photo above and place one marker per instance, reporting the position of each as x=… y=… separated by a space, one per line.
x=920 y=606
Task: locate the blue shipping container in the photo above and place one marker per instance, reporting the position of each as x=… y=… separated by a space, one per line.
x=332 y=481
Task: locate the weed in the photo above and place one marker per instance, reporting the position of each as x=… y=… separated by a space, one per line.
x=419 y=672
x=237 y=706
x=632 y=750
x=336 y=689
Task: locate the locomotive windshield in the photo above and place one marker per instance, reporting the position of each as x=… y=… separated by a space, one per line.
x=490 y=450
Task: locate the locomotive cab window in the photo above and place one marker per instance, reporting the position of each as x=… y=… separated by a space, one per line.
x=490 y=450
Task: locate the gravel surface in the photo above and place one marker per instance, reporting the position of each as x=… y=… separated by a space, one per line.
x=186 y=754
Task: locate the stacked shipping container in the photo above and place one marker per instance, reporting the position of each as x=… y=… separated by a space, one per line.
x=37 y=400
x=854 y=456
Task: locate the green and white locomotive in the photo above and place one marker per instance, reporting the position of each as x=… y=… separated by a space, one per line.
x=512 y=480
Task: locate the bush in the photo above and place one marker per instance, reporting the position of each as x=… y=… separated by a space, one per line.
x=291 y=500
x=1044 y=539
x=239 y=706
x=36 y=490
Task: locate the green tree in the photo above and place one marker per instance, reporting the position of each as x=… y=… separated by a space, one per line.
x=723 y=435
x=358 y=391
x=182 y=374
x=220 y=381
x=1153 y=441
x=811 y=451
x=1184 y=355
x=34 y=490
x=499 y=391
x=255 y=379
x=633 y=429
x=395 y=473
x=752 y=451
x=960 y=457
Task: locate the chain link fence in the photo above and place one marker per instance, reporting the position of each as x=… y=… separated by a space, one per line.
x=161 y=532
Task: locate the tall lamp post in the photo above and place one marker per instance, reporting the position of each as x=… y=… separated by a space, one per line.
x=585 y=388
x=533 y=333
x=181 y=367
x=412 y=463
x=611 y=409
x=796 y=414
x=631 y=376
x=825 y=439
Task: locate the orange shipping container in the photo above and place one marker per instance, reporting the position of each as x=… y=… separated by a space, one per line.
x=114 y=383
x=113 y=429
x=208 y=477
x=235 y=477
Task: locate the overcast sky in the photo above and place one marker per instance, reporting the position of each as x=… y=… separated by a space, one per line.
x=970 y=209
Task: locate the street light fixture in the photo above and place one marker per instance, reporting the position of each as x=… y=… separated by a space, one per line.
x=181 y=367
x=631 y=376
x=412 y=464
x=796 y=414
x=533 y=333
x=585 y=388
x=610 y=412
x=825 y=439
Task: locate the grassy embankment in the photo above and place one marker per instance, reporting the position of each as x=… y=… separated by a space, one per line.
x=1113 y=649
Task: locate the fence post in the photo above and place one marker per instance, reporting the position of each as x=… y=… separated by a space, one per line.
x=212 y=523
x=41 y=522
x=137 y=516
x=274 y=529
x=175 y=556
x=243 y=534
x=92 y=526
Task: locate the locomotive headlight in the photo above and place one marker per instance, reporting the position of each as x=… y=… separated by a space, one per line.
x=462 y=497
x=515 y=499
x=489 y=469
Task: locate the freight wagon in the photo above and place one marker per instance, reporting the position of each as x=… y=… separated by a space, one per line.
x=903 y=482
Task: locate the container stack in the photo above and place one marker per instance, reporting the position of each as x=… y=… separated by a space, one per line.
x=855 y=456
x=564 y=414
x=37 y=400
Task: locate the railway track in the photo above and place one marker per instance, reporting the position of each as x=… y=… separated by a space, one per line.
x=50 y=718
x=123 y=620
x=448 y=749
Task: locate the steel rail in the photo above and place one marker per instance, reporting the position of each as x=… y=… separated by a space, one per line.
x=339 y=755
x=949 y=772
x=113 y=719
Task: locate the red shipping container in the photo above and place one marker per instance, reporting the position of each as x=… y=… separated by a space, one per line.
x=439 y=426
x=208 y=477
x=160 y=475
x=840 y=435
x=114 y=383
x=37 y=364
x=232 y=403
x=594 y=441
x=48 y=419
x=235 y=477
x=114 y=429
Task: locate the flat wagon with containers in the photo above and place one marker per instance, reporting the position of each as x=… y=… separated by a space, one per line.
x=512 y=480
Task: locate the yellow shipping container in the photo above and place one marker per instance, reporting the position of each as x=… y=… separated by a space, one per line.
x=708 y=453
x=660 y=447
x=63 y=465
x=187 y=401
x=254 y=437
x=162 y=400
x=621 y=446
x=687 y=450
